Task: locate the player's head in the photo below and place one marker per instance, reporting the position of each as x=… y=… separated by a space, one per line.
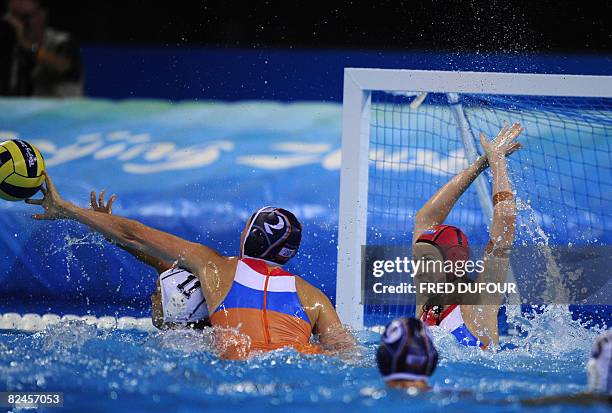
x=406 y=353
x=271 y=234
x=600 y=365
x=441 y=244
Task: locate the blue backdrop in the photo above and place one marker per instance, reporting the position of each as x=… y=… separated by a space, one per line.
x=285 y=75
x=196 y=170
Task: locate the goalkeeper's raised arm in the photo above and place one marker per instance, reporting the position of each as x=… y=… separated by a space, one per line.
x=475 y=323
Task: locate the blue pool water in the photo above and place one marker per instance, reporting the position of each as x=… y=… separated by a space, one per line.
x=119 y=371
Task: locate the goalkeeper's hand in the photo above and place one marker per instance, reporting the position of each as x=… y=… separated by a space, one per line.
x=504 y=143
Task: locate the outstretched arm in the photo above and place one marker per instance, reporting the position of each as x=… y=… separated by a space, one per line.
x=497 y=254
x=128 y=233
x=482 y=319
x=98 y=205
x=437 y=208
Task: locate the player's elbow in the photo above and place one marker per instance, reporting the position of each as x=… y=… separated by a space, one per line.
x=132 y=235
x=424 y=219
x=337 y=339
x=506 y=209
x=195 y=256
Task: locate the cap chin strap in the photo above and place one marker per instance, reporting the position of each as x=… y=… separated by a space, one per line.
x=404 y=376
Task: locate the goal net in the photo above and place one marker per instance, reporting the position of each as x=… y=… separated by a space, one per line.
x=406 y=133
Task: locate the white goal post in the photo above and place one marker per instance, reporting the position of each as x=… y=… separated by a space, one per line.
x=359 y=83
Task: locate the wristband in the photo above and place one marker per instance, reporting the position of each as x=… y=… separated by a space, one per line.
x=502 y=196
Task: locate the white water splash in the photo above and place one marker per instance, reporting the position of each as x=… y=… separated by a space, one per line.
x=66 y=336
x=72 y=244
x=556 y=291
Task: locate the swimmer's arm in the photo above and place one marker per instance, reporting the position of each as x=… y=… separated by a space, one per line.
x=326 y=323
x=332 y=334
x=137 y=236
x=437 y=208
x=159 y=265
x=497 y=255
x=157 y=311
x=97 y=204
x=126 y=232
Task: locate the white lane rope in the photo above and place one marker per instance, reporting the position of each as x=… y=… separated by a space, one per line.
x=37 y=322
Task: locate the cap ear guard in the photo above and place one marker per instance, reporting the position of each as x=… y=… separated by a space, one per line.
x=255 y=242
x=449 y=240
x=457 y=253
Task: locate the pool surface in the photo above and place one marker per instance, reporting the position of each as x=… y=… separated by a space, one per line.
x=120 y=371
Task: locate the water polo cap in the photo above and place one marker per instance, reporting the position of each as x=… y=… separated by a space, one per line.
x=406 y=351
x=450 y=240
x=273 y=234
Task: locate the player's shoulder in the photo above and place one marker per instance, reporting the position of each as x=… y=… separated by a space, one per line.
x=302 y=284
x=218 y=266
x=228 y=262
x=309 y=292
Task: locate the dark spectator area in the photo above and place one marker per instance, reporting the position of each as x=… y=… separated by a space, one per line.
x=42 y=41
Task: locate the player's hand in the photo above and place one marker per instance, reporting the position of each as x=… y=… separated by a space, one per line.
x=52 y=202
x=97 y=203
x=504 y=143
